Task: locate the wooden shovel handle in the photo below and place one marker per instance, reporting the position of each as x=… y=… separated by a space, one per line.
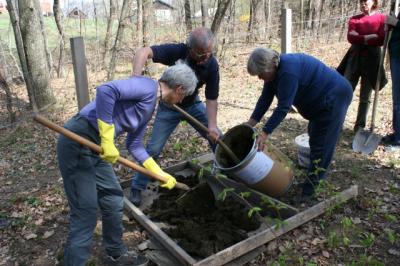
x=96 y=148
x=202 y=127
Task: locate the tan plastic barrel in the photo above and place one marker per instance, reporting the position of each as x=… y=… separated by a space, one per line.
x=277 y=167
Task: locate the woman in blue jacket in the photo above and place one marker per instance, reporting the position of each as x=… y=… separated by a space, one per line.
x=320 y=94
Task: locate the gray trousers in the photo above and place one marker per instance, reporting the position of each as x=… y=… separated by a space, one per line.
x=90 y=183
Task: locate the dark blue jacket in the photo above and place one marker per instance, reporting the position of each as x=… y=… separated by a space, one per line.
x=301 y=80
x=207 y=73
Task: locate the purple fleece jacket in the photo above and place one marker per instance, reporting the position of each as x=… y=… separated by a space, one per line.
x=129 y=105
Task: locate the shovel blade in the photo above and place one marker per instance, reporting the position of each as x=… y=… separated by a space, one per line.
x=365 y=141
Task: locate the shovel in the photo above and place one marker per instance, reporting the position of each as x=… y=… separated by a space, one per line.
x=367 y=141
x=96 y=148
x=202 y=127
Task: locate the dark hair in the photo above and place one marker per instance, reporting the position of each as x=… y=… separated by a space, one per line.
x=374 y=6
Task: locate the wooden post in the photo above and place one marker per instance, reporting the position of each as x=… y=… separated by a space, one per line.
x=286 y=31
x=80 y=72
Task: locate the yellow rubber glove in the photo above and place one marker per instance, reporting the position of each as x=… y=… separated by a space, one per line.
x=152 y=166
x=109 y=152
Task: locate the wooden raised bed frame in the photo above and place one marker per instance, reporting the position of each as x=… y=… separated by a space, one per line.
x=241 y=248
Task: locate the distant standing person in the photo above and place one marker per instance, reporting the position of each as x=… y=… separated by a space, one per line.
x=394 y=54
x=198 y=54
x=89 y=179
x=320 y=94
x=366 y=33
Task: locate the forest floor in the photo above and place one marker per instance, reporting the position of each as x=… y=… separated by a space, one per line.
x=363 y=231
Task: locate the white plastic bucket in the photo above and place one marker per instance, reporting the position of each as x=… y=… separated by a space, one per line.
x=257 y=169
x=303 y=150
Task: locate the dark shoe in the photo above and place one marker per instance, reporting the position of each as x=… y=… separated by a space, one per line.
x=135 y=197
x=307 y=189
x=128 y=258
x=389 y=140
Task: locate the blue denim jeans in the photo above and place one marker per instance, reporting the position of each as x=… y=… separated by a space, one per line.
x=90 y=183
x=395 y=72
x=324 y=131
x=167 y=119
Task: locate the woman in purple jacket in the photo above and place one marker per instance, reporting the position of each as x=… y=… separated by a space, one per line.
x=89 y=180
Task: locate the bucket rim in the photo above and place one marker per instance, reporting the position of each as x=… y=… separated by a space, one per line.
x=244 y=161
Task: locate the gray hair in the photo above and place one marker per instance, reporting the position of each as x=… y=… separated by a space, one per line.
x=200 y=38
x=180 y=74
x=262 y=60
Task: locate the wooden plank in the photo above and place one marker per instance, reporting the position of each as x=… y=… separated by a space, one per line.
x=267 y=235
x=159 y=255
x=247 y=257
x=161 y=237
x=80 y=72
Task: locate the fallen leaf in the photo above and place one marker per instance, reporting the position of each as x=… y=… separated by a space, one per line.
x=394 y=252
x=271 y=246
x=30 y=236
x=48 y=234
x=315 y=241
x=325 y=254
x=39 y=222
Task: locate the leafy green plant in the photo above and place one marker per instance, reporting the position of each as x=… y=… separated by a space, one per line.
x=367 y=239
x=253 y=210
x=301 y=261
x=177 y=146
x=347 y=223
x=333 y=239
x=34 y=202
x=221 y=176
x=367 y=260
x=222 y=195
x=277 y=206
x=390 y=218
x=325 y=189
x=245 y=194
x=391 y=235
x=355 y=171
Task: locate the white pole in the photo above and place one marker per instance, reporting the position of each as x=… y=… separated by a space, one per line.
x=286 y=32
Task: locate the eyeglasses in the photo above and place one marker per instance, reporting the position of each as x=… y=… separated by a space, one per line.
x=200 y=56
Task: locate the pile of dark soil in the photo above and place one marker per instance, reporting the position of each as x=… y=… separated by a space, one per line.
x=201 y=225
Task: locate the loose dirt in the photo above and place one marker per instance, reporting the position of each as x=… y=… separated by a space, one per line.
x=200 y=224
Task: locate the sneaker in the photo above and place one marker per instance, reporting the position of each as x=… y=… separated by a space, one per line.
x=128 y=258
x=135 y=197
x=388 y=139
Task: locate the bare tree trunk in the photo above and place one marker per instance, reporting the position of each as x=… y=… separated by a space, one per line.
x=21 y=52
x=219 y=15
x=118 y=38
x=267 y=11
x=254 y=20
x=97 y=63
x=139 y=24
x=188 y=16
x=58 y=18
x=107 y=39
x=44 y=36
x=147 y=21
x=204 y=12
x=35 y=52
x=9 y=105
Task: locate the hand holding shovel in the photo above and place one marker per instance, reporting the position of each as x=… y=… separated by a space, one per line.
x=97 y=148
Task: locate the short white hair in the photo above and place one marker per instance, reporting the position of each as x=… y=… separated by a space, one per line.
x=262 y=60
x=180 y=74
